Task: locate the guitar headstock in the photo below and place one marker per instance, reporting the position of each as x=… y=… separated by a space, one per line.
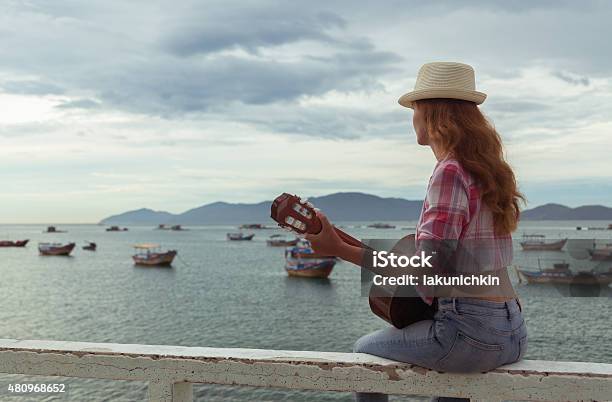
x=295 y=214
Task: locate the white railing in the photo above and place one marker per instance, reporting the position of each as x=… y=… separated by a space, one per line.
x=170 y=371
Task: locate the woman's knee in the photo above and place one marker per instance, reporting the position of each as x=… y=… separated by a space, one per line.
x=360 y=346
x=370 y=343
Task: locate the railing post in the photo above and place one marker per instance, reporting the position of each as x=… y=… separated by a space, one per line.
x=165 y=391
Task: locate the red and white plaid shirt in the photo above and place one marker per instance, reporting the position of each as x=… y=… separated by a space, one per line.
x=453 y=210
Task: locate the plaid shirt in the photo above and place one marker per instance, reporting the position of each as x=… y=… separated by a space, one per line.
x=453 y=210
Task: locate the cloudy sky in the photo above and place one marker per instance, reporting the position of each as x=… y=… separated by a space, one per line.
x=107 y=106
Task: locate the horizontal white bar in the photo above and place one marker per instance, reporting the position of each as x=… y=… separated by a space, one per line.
x=325 y=371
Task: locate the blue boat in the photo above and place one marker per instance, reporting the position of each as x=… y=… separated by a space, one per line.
x=301 y=260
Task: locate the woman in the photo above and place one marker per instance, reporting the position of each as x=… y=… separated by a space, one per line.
x=472 y=198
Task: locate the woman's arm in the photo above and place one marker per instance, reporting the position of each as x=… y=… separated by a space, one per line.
x=327 y=242
x=352 y=254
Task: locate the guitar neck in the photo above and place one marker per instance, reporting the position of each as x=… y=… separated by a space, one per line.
x=362 y=257
x=348 y=239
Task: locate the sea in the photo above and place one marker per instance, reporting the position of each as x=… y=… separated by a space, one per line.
x=230 y=294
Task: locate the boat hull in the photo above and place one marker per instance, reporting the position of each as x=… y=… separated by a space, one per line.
x=311 y=270
x=241 y=238
x=306 y=255
x=281 y=243
x=381 y=226
x=553 y=246
x=567 y=279
x=155 y=259
x=52 y=229
x=252 y=226
x=57 y=251
x=16 y=243
x=601 y=254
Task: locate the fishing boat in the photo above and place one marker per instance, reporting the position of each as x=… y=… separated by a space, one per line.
x=278 y=240
x=252 y=226
x=301 y=260
x=538 y=242
x=90 y=246
x=55 y=248
x=381 y=226
x=561 y=274
x=177 y=228
x=238 y=236
x=116 y=229
x=601 y=253
x=53 y=229
x=15 y=243
x=151 y=255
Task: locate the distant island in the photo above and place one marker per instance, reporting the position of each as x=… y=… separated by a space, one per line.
x=558 y=212
x=338 y=207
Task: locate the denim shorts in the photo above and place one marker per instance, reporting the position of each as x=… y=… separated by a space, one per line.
x=479 y=335
x=466 y=335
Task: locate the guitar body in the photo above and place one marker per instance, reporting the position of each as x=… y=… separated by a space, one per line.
x=400 y=306
x=400 y=311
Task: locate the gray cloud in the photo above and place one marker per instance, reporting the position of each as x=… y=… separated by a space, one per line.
x=515 y=106
x=249 y=30
x=79 y=104
x=166 y=72
x=169 y=61
x=168 y=89
x=584 y=81
x=29 y=87
x=330 y=122
x=28 y=129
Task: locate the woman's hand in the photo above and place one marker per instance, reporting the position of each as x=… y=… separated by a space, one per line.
x=326 y=242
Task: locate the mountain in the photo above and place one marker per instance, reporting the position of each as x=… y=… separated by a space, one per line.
x=543 y=211
x=338 y=206
x=139 y=217
x=367 y=207
x=559 y=212
x=223 y=212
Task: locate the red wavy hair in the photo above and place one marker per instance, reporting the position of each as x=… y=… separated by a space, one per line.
x=459 y=128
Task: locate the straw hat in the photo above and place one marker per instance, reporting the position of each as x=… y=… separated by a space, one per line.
x=444 y=80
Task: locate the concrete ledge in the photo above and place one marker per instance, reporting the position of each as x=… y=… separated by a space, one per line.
x=169 y=370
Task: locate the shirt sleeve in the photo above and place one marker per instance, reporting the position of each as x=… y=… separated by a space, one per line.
x=445 y=213
x=447 y=206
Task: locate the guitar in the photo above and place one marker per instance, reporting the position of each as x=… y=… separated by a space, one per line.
x=393 y=304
